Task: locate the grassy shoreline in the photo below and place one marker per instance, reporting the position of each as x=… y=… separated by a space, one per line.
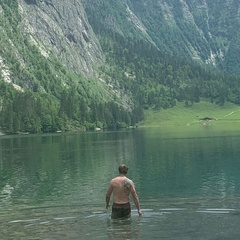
x=229 y=114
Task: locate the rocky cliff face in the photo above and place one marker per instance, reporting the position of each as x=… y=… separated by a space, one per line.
x=203 y=30
x=61 y=28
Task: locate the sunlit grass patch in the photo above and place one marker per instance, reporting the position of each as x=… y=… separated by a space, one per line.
x=182 y=116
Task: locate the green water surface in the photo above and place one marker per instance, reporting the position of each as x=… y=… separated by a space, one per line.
x=188 y=182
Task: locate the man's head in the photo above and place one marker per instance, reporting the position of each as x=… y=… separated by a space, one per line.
x=123 y=169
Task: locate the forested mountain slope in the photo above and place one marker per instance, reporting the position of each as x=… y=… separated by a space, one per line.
x=171 y=49
x=204 y=30
x=85 y=64
x=47 y=80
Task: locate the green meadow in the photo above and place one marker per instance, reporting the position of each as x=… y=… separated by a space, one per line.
x=227 y=116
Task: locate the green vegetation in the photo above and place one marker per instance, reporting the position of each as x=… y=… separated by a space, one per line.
x=167 y=88
x=137 y=77
x=180 y=116
x=49 y=97
x=158 y=80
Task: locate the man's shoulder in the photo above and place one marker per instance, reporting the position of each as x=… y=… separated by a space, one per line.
x=128 y=180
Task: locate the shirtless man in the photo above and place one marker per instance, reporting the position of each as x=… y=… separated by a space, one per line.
x=121 y=187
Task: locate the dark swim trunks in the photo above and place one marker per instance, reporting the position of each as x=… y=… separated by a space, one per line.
x=121 y=210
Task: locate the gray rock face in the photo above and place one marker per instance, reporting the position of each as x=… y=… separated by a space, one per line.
x=60 y=27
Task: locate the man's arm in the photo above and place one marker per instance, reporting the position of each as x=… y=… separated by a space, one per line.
x=108 y=195
x=135 y=199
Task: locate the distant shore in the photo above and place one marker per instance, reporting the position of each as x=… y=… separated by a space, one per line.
x=202 y=113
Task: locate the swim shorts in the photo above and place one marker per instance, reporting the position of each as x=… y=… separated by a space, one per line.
x=121 y=210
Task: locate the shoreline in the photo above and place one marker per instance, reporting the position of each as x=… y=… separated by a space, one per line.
x=2 y=134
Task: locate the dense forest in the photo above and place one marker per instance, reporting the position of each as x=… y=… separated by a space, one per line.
x=52 y=98
x=158 y=79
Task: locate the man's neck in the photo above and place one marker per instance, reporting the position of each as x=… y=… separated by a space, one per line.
x=122 y=175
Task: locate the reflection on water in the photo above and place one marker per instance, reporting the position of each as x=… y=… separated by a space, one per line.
x=53 y=186
x=123 y=229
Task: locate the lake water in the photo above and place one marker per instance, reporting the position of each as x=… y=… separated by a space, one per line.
x=52 y=187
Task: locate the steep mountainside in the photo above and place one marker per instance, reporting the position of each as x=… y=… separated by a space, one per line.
x=84 y=64
x=62 y=28
x=204 y=30
x=49 y=81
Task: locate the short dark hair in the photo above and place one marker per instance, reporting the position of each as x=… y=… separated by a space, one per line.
x=123 y=169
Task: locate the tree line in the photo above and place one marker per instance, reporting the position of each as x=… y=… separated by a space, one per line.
x=34 y=112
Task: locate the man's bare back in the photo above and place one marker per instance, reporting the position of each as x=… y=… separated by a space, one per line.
x=121 y=187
